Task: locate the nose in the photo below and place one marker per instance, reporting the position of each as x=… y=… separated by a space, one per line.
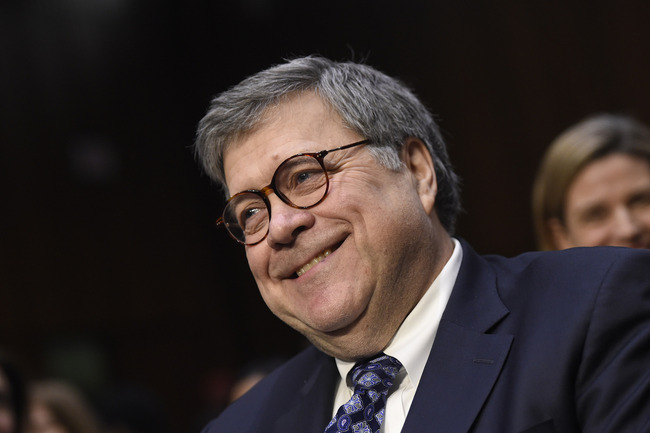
x=626 y=227
x=286 y=222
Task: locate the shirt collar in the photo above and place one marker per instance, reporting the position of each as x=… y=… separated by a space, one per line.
x=412 y=342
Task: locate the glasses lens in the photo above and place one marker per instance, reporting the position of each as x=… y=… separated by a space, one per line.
x=246 y=217
x=301 y=180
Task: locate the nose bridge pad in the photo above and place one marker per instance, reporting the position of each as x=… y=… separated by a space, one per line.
x=267 y=190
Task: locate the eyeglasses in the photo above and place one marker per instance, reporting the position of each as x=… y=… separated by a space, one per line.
x=301 y=181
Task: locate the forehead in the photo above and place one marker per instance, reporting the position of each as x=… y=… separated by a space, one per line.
x=609 y=178
x=301 y=123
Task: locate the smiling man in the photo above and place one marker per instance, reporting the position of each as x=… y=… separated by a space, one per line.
x=341 y=191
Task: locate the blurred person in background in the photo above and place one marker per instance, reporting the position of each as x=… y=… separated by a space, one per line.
x=57 y=407
x=13 y=402
x=593 y=186
x=252 y=373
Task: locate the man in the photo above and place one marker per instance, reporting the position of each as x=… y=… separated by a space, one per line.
x=343 y=196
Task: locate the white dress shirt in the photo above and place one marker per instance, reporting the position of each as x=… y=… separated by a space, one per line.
x=411 y=345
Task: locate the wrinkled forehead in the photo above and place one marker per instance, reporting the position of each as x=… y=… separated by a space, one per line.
x=287 y=105
x=237 y=140
x=299 y=123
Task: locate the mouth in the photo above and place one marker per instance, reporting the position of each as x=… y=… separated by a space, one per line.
x=313 y=262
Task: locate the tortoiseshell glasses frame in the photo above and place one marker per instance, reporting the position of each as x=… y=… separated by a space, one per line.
x=301 y=181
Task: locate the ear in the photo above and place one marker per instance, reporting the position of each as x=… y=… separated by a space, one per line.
x=559 y=234
x=419 y=163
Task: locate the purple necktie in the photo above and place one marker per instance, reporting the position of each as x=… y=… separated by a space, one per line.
x=364 y=412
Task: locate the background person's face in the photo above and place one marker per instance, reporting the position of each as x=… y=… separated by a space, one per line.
x=42 y=420
x=365 y=240
x=7 y=421
x=608 y=203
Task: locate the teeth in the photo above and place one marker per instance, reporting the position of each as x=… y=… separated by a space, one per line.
x=313 y=262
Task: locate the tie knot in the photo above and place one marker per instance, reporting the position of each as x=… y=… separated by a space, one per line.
x=377 y=373
x=365 y=410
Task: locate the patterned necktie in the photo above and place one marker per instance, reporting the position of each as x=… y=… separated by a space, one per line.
x=364 y=412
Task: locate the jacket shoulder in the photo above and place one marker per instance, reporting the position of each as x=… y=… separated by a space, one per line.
x=272 y=395
x=580 y=264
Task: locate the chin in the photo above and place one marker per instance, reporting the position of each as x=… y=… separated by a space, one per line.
x=347 y=343
x=346 y=349
x=334 y=326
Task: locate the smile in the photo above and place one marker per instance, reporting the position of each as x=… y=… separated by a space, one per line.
x=313 y=262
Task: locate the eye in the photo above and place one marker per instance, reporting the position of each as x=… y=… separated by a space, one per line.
x=253 y=220
x=306 y=175
x=302 y=177
x=299 y=175
x=251 y=213
x=640 y=200
x=247 y=210
x=248 y=214
x=594 y=214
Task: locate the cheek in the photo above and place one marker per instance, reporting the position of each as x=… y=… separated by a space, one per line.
x=257 y=261
x=258 y=264
x=593 y=235
x=392 y=234
x=644 y=217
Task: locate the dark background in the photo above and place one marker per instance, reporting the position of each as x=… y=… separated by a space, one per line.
x=112 y=274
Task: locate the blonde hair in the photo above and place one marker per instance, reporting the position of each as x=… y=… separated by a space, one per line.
x=581 y=144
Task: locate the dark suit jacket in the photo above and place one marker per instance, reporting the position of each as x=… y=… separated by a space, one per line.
x=543 y=342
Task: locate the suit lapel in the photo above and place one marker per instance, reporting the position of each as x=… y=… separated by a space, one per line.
x=464 y=362
x=311 y=408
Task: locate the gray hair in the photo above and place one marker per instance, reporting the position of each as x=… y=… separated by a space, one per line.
x=376 y=106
